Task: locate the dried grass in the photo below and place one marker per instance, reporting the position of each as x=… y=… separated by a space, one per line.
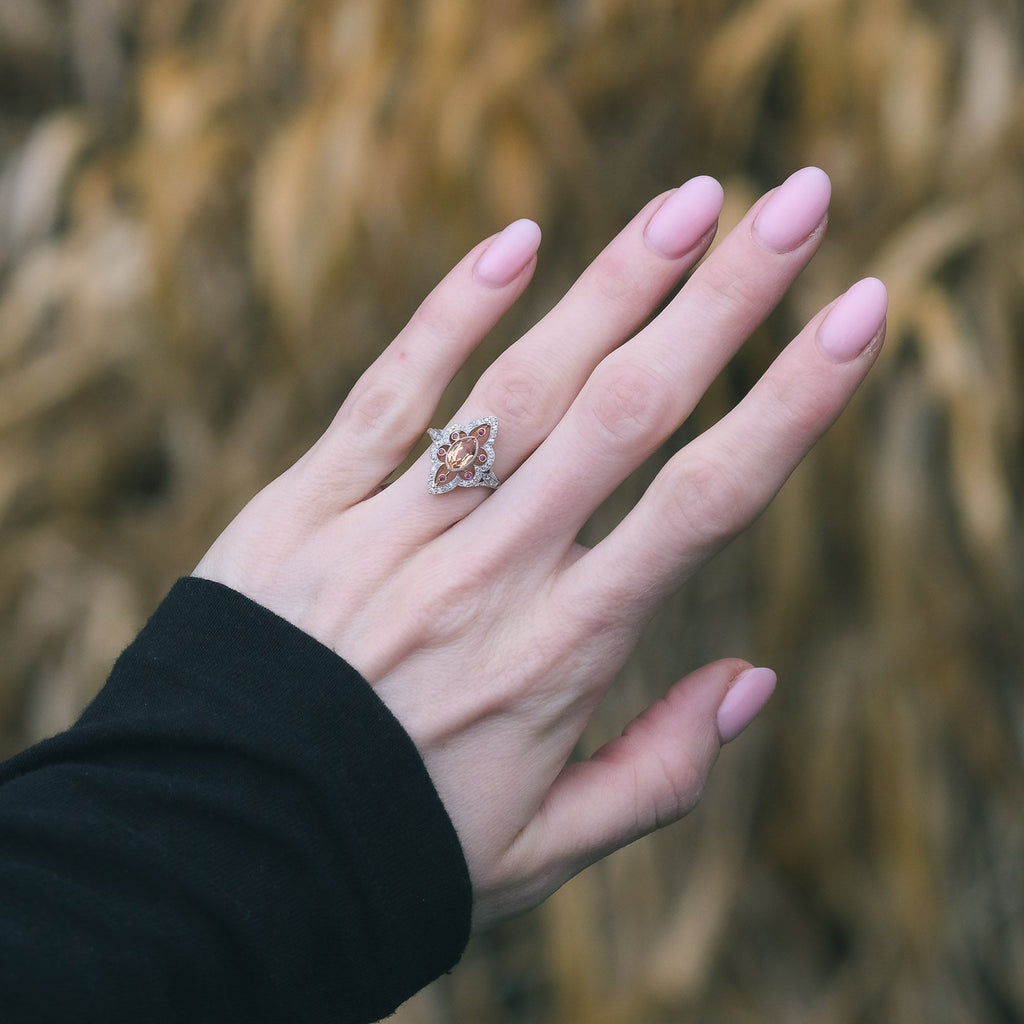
x=211 y=216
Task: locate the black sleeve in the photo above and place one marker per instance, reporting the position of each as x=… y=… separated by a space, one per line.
x=237 y=829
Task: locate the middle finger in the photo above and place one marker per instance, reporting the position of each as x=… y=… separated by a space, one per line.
x=643 y=391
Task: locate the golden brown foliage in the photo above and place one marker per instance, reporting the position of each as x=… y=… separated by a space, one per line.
x=213 y=215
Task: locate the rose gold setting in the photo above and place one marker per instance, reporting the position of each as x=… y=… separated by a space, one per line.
x=462 y=455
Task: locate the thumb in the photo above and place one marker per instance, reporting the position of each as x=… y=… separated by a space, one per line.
x=653 y=774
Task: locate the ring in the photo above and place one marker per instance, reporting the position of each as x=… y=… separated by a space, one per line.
x=462 y=455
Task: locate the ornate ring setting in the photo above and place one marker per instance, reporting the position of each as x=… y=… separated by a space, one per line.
x=462 y=455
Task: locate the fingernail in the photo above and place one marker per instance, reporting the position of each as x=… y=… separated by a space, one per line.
x=748 y=694
x=855 y=322
x=685 y=217
x=508 y=254
x=793 y=210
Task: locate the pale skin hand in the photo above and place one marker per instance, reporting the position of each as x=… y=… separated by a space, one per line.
x=489 y=632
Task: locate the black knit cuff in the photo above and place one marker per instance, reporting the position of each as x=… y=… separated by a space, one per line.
x=267 y=687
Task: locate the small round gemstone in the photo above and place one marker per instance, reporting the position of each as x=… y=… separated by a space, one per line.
x=468 y=475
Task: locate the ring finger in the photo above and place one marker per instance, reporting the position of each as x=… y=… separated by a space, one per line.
x=531 y=385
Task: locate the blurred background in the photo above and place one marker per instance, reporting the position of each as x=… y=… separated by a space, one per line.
x=213 y=216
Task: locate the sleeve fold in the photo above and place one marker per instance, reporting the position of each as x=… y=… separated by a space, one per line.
x=237 y=828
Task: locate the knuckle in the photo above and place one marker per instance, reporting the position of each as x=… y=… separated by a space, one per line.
x=798 y=405
x=373 y=409
x=682 y=789
x=727 y=290
x=619 y=285
x=628 y=403
x=705 y=501
x=689 y=789
x=672 y=785
x=517 y=391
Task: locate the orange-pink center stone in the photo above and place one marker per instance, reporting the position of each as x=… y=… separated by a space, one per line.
x=461 y=454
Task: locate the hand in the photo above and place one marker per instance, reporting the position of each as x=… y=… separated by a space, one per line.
x=481 y=622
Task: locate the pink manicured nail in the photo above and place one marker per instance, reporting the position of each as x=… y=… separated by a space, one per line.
x=685 y=217
x=793 y=210
x=508 y=254
x=748 y=694
x=855 y=322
